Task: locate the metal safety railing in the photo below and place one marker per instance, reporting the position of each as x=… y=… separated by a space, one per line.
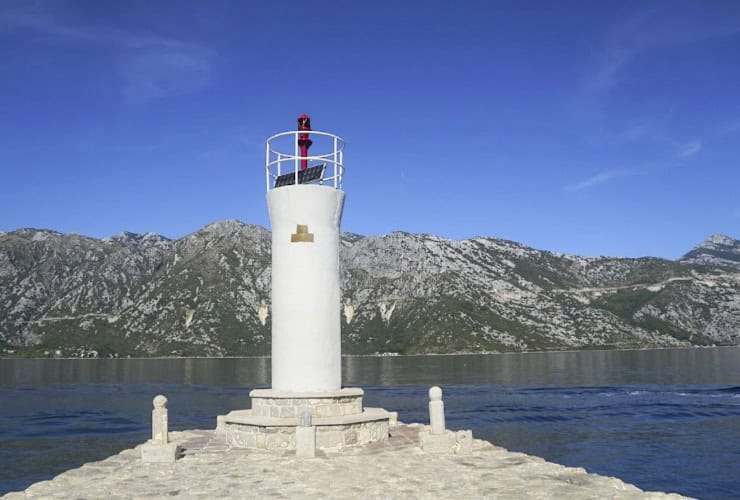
x=279 y=161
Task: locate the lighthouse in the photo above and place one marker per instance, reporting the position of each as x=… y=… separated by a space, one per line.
x=305 y=201
x=304 y=169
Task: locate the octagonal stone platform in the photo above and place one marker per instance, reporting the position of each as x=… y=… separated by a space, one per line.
x=339 y=418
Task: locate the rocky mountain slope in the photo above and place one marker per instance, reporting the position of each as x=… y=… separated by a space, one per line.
x=209 y=294
x=717 y=251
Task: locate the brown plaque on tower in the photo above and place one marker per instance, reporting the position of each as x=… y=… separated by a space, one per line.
x=301 y=235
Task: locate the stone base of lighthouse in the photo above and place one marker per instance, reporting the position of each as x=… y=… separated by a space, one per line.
x=339 y=418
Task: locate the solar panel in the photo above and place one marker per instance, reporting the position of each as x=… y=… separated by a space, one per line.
x=310 y=174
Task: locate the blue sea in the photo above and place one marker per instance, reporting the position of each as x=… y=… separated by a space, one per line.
x=665 y=420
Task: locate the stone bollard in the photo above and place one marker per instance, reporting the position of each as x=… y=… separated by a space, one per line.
x=220 y=423
x=464 y=442
x=159 y=420
x=159 y=449
x=436 y=411
x=438 y=440
x=305 y=436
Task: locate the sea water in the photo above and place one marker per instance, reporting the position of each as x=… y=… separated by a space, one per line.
x=664 y=420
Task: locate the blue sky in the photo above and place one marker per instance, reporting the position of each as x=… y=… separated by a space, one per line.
x=593 y=128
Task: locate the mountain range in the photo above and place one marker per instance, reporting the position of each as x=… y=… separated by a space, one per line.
x=208 y=294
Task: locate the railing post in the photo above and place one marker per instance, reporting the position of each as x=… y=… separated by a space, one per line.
x=341 y=168
x=267 y=165
x=335 y=162
x=295 y=150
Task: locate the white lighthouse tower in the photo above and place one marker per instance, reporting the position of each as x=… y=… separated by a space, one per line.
x=305 y=201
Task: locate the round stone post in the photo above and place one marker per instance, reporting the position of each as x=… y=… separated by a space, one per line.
x=436 y=411
x=159 y=449
x=159 y=420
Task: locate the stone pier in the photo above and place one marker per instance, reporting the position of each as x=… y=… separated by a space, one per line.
x=395 y=468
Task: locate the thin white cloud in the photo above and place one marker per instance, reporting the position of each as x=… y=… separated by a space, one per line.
x=622 y=45
x=674 y=25
x=163 y=72
x=642 y=131
x=688 y=149
x=43 y=22
x=730 y=128
x=150 y=66
x=654 y=131
x=598 y=179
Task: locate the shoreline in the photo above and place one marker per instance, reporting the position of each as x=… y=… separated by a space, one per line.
x=396 y=468
x=393 y=355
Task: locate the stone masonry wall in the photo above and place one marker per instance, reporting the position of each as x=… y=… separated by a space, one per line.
x=329 y=437
x=320 y=407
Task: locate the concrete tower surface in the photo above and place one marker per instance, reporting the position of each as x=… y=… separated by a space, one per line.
x=306 y=296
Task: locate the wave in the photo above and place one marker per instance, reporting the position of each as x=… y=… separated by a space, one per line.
x=631 y=391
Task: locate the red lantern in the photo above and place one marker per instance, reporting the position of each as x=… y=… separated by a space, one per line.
x=304 y=123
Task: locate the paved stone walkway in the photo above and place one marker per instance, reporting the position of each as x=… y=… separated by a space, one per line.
x=395 y=469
